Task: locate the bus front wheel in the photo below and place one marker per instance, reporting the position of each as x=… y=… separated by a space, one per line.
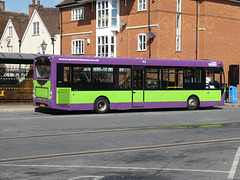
x=101 y=105
x=192 y=103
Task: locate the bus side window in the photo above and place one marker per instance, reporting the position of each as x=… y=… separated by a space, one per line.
x=63 y=76
x=81 y=78
x=82 y=74
x=103 y=78
x=153 y=78
x=66 y=74
x=213 y=78
x=59 y=74
x=172 y=78
x=123 y=78
x=193 y=78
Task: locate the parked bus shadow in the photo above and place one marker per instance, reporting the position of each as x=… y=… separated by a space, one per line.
x=62 y=112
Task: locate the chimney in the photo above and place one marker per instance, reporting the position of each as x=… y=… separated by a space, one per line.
x=33 y=6
x=2 y=5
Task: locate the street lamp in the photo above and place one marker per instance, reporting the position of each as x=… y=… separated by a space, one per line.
x=53 y=39
x=43 y=46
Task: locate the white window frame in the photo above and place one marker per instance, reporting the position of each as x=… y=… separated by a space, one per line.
x=107 y=13
x=142 y=5
x=178 y=28
x=77 y=13
x=36 y=29
x=106 y=46
x=10 y=31
x=114 y=9
x=78 y=46
x=142 y=42
x=103 y=13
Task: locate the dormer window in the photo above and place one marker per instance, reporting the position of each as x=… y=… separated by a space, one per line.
x=77 y=13
x=36 y=28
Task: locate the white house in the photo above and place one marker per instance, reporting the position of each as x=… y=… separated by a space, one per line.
x=43 y=28
x=12 y=36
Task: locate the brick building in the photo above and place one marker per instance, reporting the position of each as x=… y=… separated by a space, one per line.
x=179 y=29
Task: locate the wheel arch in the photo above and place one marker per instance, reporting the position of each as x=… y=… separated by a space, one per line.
x=102 y=97
x=194 y=95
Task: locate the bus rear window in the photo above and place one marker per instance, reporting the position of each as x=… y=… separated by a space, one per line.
x=42 y=67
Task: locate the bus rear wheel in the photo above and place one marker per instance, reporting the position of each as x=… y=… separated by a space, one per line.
x=192 y=103
x=101 y=105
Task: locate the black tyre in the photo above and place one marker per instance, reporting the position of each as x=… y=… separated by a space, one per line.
x=101 y=105
x=192 y=103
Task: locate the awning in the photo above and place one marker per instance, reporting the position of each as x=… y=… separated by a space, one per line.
x=16 y=58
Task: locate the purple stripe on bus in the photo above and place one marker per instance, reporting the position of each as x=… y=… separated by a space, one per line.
x=147 y=105
x=211 y=103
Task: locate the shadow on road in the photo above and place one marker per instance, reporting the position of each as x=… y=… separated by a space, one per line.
x=62 y=112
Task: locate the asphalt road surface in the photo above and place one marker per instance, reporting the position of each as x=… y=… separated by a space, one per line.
x=121 y=145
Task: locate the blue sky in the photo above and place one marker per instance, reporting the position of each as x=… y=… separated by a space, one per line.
x=21 y=6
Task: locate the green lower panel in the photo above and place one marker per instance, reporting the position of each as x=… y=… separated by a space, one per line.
x=42 y=92
x=63 y=95
x=90 y=96
x=181 y=95
x=66 y=96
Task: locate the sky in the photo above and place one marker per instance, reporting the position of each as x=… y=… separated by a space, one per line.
x=21 y=6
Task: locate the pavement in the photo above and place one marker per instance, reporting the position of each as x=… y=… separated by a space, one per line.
x=17 y=107
x=28 y=107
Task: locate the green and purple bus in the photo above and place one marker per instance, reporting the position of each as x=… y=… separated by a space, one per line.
x=102 y=84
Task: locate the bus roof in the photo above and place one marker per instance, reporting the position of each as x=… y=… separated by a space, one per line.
x=133 y=61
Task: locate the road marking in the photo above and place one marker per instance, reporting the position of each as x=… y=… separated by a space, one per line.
x=112 y=167
x=234 y=165
x=119 y=150
x=81 y=177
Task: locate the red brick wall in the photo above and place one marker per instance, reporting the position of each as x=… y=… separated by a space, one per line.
x=219 y=34
x=221 y=38
x=86 y=25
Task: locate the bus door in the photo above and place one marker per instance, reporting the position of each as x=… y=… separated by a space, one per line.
x=138 y=86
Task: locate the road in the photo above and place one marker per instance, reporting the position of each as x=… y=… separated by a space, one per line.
x=121 y=145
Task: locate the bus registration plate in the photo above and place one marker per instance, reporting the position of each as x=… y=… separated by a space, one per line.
x=42 y=105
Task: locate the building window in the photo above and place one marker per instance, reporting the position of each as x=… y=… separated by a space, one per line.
x=102 y=13
x=77 y=13
x=9 y=49
x=142 y=5
x=178 y=31
x=142 y=43
x=10 y=31
x=78 y=46
x=36 y=28
x=107 y=13
x=114 y=13
x=106 y=46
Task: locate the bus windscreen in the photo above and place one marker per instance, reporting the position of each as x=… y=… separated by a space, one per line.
x=43 y=66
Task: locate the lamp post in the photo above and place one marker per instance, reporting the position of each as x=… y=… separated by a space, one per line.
x=53 y=39
x=43 y=46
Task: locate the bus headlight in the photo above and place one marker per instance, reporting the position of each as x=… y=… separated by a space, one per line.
x=33 y=95
x=50 y=96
